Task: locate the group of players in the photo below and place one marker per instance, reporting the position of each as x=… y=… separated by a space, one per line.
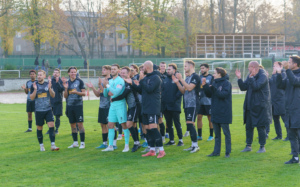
x=144 y=94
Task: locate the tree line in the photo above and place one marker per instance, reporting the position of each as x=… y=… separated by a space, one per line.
x=151 y=27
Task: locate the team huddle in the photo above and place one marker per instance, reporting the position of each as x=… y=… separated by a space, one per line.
x=148 y=93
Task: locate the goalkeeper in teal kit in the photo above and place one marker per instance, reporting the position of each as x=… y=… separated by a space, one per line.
x=118 y=109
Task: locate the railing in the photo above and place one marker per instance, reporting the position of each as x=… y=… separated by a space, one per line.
x=11 y=71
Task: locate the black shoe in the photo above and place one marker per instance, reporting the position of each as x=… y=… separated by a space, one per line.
x=277 y=138
x=213 y=154
x=227 y=155
x=286 y=139
x=180 y=143
x=293 y=161
x=28 y=130
x=47 y=132
x=170 y=143
x=135 y=148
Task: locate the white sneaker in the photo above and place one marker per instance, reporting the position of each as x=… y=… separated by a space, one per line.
x=156 y=150
x=82 y=146
x=164 y=139
x=42 y=148
x=54 y=148
x=73 y=146
x=189 y=149
x=195 y=149
x=119 y=137
x=187 y=133
x=109 y=148
x=126 y=149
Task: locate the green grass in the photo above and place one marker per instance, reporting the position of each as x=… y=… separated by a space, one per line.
x=22 y=164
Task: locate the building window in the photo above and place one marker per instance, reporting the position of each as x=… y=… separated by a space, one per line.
x=80 y=34
x=111 y=35
x=19 y=35
x=120 y=48
x=18 y=48
x=120 y=35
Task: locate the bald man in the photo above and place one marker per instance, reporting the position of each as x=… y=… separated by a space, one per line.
x=257 y=104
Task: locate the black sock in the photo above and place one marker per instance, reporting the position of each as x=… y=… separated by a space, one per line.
x=82 y=136
x=133 y=133
x=57 y=122
x=167 y=130
x=162 y=129
x=74 y=135
x=39 y=134
x=137 y=133
x=157 y=136
x=104 y=137
x=193 y=132
x=115 y=135
x=151 y=140
x=211 y=132
x=200 y=132
x=51 y=134
x=120 y=128
x=29 y=124
x=147 y=136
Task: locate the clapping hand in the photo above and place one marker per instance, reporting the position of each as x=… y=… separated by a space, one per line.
x=23 y=87
x=203 y=81
x=238 y=73
x=175 y=80
x=178 y=76
x=34 y=85
x=49 y=82
x=129 y=81
x=90 y=85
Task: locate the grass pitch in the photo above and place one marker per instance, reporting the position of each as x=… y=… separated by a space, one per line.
x=22 y=164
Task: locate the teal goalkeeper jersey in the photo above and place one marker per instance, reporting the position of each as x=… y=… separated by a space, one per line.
x=116 y=87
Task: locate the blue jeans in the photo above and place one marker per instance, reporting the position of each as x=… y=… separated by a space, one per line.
x=36 y=67
x=59 y=66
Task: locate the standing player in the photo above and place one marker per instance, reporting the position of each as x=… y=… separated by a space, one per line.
x=56 y=102
x=205 y=103
x=117 y=111
x=190 y=88
x=74 y=91
x=150 y=86
x=133 y=108
x=30 y=105
x=40 y=93
x=163 y=75
x=103 y=106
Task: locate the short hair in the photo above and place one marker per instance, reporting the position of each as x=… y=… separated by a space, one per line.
x=279 y=63
x=56 y=69
x=32 y=71
x=72 y=67
x=261 y=67
x=221 y=71
x=107 y=67
x=42 y=72
x=135 y=67
x=190 y=62
x=127 y=68
x=205 y=65
x=173 y=65
x=296 y=59
x=141 y=66
x=162 y=63
x=117 y=65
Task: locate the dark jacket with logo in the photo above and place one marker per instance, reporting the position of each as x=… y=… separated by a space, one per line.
x=221 y=100
x=277 y=97
x=291 y=84
x=257 y=99
x=171 y=95
x=150 y=87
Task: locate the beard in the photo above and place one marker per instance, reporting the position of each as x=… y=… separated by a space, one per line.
x=204 y=73
x=145 y=72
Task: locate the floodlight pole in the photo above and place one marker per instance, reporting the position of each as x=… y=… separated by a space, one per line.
x=88 y=74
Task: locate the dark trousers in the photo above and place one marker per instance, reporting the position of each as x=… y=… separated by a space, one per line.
x=294 y=136
x=261 y=135
x=276 y=119
x=250 y=130
x=171 y=116
x=226 y=131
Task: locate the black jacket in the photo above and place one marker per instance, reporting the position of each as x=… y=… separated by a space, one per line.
x=291 y=84
x=221 y=100
x=277 y=97
x=58 y=88
x=59 y=61
x=150 y=87
x=258 y=99
x=36 y=62
x=171 y=95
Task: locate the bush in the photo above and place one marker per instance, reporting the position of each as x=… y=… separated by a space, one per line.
x=9 y=67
